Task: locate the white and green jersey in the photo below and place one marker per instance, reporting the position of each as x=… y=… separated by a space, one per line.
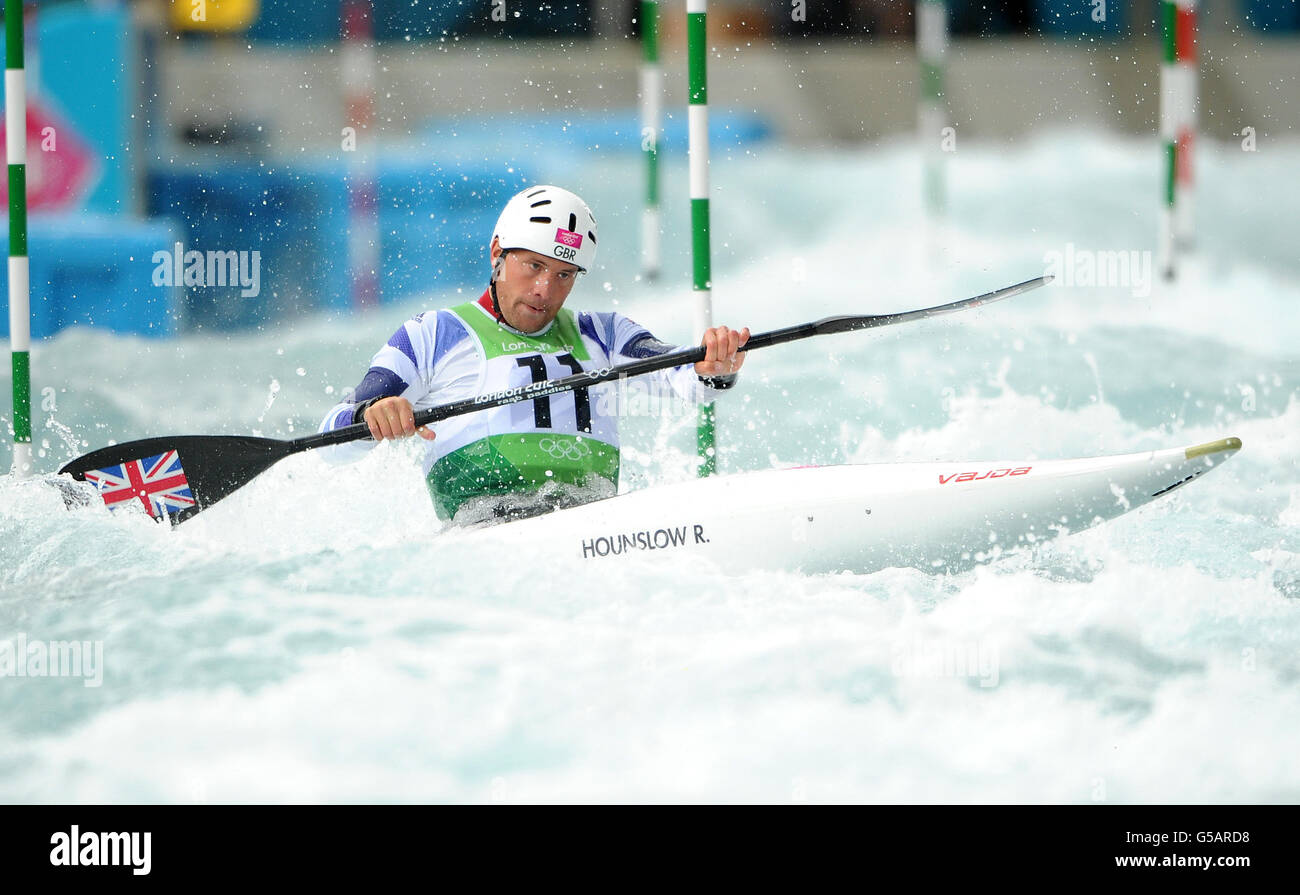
x=570 y=439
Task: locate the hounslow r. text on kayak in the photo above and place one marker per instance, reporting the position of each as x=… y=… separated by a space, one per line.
x=659 y=539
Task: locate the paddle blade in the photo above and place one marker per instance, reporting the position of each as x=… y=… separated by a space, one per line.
x=176 y=477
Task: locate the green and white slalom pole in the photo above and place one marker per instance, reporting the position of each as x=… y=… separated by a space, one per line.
x=931 y=51
x=651 y=91
x=1177 y=125
x=1185 y=60
x=698 y=155
x=20 y=324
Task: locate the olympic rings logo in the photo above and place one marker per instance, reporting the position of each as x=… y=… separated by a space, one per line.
x=563 y=449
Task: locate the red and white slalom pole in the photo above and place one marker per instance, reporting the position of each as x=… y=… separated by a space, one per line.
x=358 y=52
x=1177 y=129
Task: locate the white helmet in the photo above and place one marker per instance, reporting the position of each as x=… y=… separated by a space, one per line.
x=550 y=221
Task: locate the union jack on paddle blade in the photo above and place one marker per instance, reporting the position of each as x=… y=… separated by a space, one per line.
x=158 y=483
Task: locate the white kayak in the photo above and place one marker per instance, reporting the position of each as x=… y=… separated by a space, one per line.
x=862 y=518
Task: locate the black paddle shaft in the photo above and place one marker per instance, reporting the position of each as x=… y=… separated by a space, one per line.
x=825 y=326
x=216 y=465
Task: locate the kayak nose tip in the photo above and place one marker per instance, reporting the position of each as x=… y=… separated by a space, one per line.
x=1214 y=447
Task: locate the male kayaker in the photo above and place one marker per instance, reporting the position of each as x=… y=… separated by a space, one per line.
x=532 y=456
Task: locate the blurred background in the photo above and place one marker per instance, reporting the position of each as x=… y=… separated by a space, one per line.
x=222 y=125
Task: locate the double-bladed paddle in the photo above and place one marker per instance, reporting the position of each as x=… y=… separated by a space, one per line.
x=214 y=466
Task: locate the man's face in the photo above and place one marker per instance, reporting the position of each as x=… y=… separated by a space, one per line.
x=531 y=288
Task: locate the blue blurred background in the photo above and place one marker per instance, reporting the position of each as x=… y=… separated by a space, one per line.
x=223 y=134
